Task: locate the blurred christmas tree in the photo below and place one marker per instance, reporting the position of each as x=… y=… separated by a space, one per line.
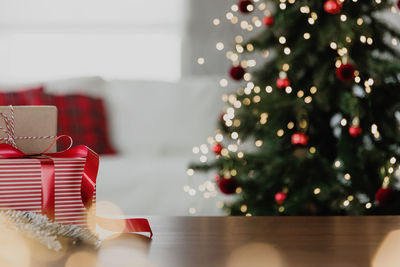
x=320 y=114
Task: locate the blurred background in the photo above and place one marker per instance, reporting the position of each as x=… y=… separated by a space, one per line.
x=140 y=82
x=128 y=39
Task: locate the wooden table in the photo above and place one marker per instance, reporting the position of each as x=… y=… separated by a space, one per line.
x=255 y=241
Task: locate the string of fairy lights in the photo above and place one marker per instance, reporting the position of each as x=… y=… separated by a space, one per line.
x=254 y=15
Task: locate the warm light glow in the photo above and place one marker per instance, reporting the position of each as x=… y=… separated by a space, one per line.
x=338 y=164
x=313 y=90
x=259 y=143
x=286 y=50
x=308 y=99
x=190 y=172
x=243 y=208
x=239 y=39
x=300 y=94
x=192 y=210
x=387 y=253
x=255 y=255
x=223 y=82
x=77 y=258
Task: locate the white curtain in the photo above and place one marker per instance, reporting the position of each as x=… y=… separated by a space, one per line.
x=46 y=39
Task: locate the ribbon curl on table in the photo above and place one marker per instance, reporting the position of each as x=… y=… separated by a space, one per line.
x=89 y=175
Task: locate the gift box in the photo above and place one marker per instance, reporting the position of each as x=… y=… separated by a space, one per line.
x=59 y=185
x=30 y=128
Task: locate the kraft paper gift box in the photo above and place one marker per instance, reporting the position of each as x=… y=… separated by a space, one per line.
x=35 y=127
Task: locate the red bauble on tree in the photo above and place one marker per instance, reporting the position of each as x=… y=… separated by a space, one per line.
x=280 y=198
x=268 y=21
x=355 y=131
x=227 y=186
x=237 y=73
x=221 y=116
x=384 y=196
x=246 y=6
x=346 y=72
x=300 y=139
x=217 y=148
x=282 y=83
x=333 y=7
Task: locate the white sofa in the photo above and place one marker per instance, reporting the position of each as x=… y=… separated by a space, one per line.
x=154 y=126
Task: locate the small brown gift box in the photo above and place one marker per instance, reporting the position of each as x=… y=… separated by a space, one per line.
x=35 y=127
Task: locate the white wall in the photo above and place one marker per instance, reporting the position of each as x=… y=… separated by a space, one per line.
x=135 y=39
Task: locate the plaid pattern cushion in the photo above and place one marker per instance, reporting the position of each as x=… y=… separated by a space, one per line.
x=84 y=119
x=79 y=116
x=19 y=98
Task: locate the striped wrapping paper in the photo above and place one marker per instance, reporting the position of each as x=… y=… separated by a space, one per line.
x=20 y=188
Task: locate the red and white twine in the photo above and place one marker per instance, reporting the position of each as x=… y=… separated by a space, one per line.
x=9 y=130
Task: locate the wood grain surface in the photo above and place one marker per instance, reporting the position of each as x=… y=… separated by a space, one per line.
x=251 y=241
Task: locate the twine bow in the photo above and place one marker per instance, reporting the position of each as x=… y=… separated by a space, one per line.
x=9 y=130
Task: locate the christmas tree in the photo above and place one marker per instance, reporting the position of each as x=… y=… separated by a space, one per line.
x=312 y=130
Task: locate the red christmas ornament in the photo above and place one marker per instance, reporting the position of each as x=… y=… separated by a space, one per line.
x=346 y=72
x=280 y=197
x=398 y=4
x=282 y=83
x=384 y=196
x=333 y=7
x=269 y=21
x=300 y=139
x=237 y=73
x=217 y=148
x=246 y=6
x=355 y=131
x=227 y=185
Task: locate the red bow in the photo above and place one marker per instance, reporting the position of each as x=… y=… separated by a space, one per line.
x=88 y=182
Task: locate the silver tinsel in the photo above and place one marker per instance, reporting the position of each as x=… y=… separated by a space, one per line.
x=39 y=228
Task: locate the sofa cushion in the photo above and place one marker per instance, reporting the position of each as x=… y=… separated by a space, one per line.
x=22 y=97
x=84 y=119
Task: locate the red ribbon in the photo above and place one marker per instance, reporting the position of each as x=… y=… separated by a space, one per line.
x=88 y=183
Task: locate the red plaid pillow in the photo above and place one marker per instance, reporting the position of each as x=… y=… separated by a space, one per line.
x=84 y=119
x=32 y=96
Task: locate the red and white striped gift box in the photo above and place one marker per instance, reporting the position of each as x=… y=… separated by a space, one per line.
x=21 y=188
